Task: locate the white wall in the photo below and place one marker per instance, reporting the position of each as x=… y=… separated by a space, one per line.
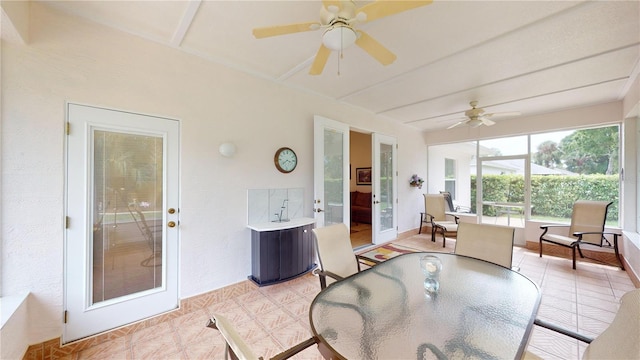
x=68 y=59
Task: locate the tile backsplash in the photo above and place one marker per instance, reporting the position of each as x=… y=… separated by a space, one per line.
x=266 y=205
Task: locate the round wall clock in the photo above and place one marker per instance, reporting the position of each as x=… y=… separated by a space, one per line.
x=285 y=160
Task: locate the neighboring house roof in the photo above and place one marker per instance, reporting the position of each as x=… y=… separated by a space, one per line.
x=516 y=166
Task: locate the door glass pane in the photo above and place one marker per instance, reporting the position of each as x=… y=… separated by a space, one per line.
x=503 y=185
x=333 y=179
x=126 y=214
x=386 y=187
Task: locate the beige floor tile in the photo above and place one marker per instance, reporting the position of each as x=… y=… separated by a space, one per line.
x=161 y=347
x=275 y=317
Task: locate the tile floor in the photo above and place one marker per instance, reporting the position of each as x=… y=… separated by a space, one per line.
x=273 y=318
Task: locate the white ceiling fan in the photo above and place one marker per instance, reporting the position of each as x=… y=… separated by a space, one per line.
x=476 y=116
x=338 y=18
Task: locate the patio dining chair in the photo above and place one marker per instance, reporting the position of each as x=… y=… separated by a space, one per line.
x=451 y=206
x=335 y=254
x=237 y=348
x=435 y=213
x=492 y=243
x=586 y=228
x=618 y=341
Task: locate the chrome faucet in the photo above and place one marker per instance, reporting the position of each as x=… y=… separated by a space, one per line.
x=280 y=219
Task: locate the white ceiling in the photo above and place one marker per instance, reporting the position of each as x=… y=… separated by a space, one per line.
x=527 y=56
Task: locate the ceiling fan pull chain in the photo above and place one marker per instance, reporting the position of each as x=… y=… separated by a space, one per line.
x=341 y=48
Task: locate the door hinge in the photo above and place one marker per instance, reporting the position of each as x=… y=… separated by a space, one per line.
x=68 y=128
x=65 y=316
x=66 y=222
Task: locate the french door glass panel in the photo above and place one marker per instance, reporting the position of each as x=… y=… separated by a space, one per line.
x=384 y=188
x=330 y=172
x=127 y=214
x=333 y=177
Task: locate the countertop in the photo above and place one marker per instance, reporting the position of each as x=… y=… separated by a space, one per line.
x=272 y=226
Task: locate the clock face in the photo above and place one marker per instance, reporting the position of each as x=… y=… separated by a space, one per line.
x=285 y=160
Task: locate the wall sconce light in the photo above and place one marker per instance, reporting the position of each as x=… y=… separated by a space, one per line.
x=227 y=149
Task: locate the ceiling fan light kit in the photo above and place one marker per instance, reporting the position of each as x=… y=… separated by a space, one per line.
x=339 y=37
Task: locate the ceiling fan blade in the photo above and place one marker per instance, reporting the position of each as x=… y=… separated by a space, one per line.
x=487 y=122
x=264 y=32
x=320 y=61
x=503 y=114
x=375 y=49
x=382 y=8
x=456 y=124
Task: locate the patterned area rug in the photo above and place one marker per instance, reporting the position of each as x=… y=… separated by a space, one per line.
x=385 y=252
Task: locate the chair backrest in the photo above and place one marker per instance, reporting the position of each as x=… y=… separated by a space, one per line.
x=240 y=349
x=434 y=205
x=589 y=216
x=448 y=200
x=335 y=253
x=621 y=340
x=492 y=243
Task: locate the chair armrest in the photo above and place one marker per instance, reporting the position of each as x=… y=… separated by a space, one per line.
x=361 y=257
x=561 y=330
x=553 y=225
x=455 y=217
x=595 y=232
x=327 y=273
x=295 y=349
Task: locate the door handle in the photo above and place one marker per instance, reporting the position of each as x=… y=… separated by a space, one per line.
x=171 y=224
x=318 y=210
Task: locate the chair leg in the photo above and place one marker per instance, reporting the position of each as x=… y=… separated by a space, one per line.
x=444 y=239
x=579 y=250
x=573 y=248
x=433 y=233
x=540 y=247
x=323 y=281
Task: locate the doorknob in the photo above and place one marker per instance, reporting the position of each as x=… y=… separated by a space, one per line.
x=318 y=210
x=171 y=211
x=171 y=224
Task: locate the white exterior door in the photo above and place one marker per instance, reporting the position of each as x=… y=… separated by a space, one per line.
x=385 y=188
x=331 y=172
x=121 y=238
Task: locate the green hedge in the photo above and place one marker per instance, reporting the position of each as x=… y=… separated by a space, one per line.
x=551 y=196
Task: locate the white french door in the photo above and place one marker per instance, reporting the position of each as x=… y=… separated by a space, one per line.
x=121 y=238
x=331 y=172
x=385 y=188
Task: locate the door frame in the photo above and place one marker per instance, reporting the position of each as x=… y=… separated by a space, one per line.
x=81 y=318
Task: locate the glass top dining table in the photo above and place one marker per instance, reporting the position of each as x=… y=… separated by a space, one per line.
x=481 y=310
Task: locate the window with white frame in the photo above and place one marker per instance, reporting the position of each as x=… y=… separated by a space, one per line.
x=450 y=177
